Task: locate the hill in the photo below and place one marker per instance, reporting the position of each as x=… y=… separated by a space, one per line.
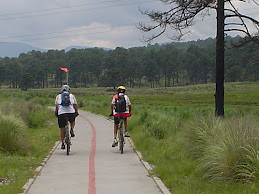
x=11 y=49
x=14 y=49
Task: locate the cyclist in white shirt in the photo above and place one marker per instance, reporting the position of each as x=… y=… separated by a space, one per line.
x=66 y=110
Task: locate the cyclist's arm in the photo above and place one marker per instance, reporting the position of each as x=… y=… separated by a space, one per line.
x=74 y=102
x=128 y=103
x=56 y=111
x=129 y=108
x=56 y=103
x=112 y=106
x=75 y=107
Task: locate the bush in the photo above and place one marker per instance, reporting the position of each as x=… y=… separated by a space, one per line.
x=228 y=148
x=37 y=116
x=12 y=134
x=31 y=112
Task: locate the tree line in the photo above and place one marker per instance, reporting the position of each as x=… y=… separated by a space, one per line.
x=166 y=65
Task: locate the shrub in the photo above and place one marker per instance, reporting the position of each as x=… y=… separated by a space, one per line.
x=31 y=112
x=37 y=116
x=12 y=134
x=228 y=147
x=157 y=130
x=39 y=100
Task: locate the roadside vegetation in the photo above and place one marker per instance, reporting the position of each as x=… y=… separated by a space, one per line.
x=176 y=131
x=174 y=128
x=27 y=133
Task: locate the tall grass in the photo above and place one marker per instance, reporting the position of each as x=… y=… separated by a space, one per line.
x=228 y=147
x=13 y=134
x=32 y=112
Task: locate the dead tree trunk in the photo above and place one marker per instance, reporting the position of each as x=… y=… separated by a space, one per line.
x=219 y=95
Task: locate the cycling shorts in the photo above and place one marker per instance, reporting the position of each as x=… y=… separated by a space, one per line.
x=62 y=119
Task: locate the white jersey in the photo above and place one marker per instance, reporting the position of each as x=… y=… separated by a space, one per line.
x=65 y=109
x=127 y=102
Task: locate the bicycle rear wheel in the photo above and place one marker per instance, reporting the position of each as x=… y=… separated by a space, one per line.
x=121 y=141
x=68 y=149
x=67 y=138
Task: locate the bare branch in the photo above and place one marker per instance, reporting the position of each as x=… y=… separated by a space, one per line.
x=182 y=14
x=255 y=2
x=236 y=29
x=246 y=17
x=231 y=24
x=235 y=13
x=179 y=17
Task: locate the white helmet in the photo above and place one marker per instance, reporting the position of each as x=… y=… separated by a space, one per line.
x=65 y=88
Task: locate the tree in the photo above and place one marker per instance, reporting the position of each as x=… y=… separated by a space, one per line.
x=26 y=81
x=181 y=16
x=12 y=69
x=2 y=72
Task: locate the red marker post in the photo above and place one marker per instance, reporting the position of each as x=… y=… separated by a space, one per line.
x=66 y=70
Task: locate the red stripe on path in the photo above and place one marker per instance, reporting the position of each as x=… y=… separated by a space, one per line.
x=91 y=185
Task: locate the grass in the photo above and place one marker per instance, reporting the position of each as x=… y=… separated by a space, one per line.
x=191 y=150
x=174 y=129
x=197 y=153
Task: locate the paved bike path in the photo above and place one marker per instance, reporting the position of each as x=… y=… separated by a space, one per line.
x=93 y=166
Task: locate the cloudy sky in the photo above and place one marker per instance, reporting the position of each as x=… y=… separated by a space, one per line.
x=56 y=24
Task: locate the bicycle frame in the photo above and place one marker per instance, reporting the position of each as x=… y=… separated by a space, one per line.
x=67 y=136
x=120 y=134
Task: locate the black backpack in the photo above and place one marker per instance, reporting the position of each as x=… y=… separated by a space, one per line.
x=120 y=104
x=65 y=99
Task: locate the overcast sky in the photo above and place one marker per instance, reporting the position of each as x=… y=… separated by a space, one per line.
x=56 y=24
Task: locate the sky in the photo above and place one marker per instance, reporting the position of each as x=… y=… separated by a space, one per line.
x=57 y=24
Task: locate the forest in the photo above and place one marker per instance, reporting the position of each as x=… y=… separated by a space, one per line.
x=158 y=65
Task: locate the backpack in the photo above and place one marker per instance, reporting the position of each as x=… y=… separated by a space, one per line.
x=120 y=104
x=65 y=99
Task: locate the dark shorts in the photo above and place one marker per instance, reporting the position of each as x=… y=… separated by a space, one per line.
x=116 y=120
x=62 y=119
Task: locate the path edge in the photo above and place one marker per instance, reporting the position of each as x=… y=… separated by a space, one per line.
x=28 y=184
x=148 y=167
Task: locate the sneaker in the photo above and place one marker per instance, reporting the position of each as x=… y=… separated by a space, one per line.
x=72 y=133
x=63 y=146
x=126 y=134
x=115 y=143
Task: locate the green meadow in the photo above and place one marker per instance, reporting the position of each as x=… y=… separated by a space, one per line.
x=174 y=128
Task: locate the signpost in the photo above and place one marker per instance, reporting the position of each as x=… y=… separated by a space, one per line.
x=66 y=70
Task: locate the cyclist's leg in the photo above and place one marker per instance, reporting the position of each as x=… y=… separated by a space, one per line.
x=62 y=124
x=73 y=125
x=115 y=130
x=125 y=124
x=62 y=134
x=72 y=121
x=116 y=122
x=126 y=127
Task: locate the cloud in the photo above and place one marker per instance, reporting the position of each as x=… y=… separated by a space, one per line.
x=58 y=24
